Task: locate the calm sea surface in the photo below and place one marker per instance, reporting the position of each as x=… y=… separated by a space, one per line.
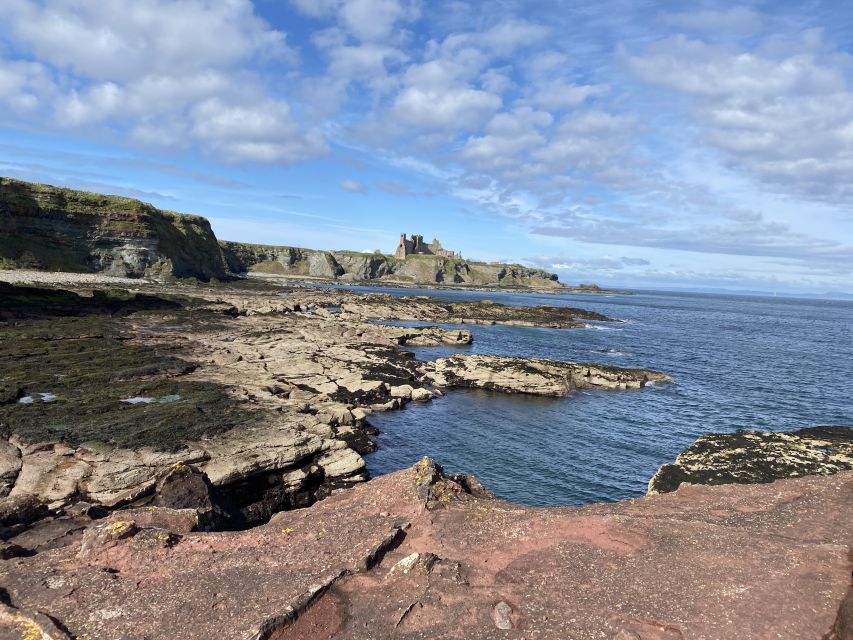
x=737 y=362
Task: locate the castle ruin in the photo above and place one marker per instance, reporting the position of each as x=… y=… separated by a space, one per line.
x=417 y=246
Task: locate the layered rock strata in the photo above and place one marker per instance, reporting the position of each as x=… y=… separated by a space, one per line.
x=758 y=456
x=46 y=227
x=420 y=554
x=484 y=312
x=535 y=376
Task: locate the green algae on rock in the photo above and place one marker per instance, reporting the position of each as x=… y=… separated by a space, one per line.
x=89 y=365
x=748 y=457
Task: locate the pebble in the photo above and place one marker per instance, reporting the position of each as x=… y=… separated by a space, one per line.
x=502 y=615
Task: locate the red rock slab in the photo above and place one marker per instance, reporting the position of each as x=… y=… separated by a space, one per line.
x=736 y=561
x=134 y=582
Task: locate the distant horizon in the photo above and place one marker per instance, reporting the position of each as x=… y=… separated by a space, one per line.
x=656 y=145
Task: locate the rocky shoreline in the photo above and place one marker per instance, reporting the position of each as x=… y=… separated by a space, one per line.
x=156 y=441
x=265 y=388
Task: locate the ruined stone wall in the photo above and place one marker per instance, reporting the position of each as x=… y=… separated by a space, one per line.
x=417 y=246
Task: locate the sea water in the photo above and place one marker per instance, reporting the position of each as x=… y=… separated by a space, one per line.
x=738 y=362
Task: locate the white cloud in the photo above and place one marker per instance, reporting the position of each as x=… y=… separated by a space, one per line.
x=366 y=20
x=546 y=64
x=23 y=85
x=502 y=39
x=123 y=39
x=559 y=95
x=353 y=186
x=452 y=108
x=588 y=140
x=508 y=135
x=374 y=20
x=715 y=71
x=262 y=132
x=781 y=113
x=163 y=73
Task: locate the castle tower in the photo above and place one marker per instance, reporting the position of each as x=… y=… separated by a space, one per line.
x=402 y=248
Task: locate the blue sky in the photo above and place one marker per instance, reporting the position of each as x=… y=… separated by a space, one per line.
x=627 y=143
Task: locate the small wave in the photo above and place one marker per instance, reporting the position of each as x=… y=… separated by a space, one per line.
x=613 y=353
x=600 y=328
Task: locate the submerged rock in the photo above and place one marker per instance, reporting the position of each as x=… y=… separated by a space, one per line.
x=748 y=457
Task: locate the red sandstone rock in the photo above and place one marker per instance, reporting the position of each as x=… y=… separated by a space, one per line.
x=735 y=561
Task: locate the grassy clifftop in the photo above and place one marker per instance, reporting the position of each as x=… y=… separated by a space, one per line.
x=52 y=228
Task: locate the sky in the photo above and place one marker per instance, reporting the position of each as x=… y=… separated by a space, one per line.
x=631 y=143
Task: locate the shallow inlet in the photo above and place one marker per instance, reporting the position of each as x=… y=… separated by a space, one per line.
x=737 y=363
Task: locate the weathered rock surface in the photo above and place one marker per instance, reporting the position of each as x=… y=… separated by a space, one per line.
x=758 y=456
x=416 y=554
x=10 y=466
x=535 y=376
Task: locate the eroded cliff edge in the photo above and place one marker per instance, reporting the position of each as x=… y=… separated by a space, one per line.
x=56 y=229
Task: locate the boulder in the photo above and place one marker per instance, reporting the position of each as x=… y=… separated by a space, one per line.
x=256 y=450
x=421 y=395
x=51 y=472
x=341 y=462
x=403 y=391
x=186 y=488
x=21 y=508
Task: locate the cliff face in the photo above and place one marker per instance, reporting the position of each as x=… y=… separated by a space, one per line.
x=56 y=229
x=46 y=227
x=348 y=265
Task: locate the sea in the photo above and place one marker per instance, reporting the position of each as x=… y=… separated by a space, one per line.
x=737 y=362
